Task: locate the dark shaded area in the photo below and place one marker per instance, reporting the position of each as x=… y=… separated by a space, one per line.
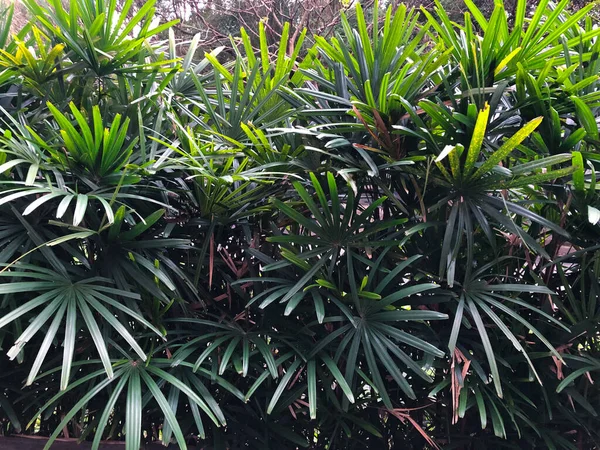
x=35 y=443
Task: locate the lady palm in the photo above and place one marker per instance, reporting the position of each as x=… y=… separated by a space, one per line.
x=390 y=241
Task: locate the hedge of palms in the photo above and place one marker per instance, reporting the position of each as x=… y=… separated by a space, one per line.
x=387 y=240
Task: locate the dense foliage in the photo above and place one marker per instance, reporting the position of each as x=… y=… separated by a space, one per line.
x=390 y=242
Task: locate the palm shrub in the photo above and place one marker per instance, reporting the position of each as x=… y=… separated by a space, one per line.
x=390 y=242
